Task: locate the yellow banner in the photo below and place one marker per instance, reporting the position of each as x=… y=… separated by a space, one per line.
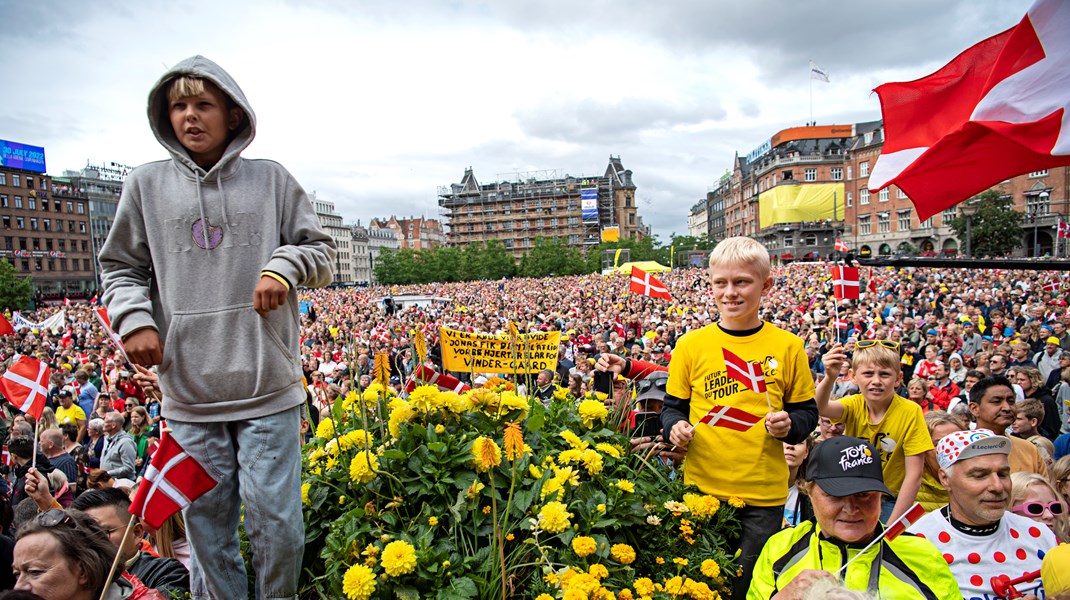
x=485 y=353
x=804 y=202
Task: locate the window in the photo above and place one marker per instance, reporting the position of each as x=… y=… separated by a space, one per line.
x=950 y=214
x=81 y=227
x=31 y=203
x=850 y=199
x=59 y=225
x=863 y=197
x=788 y=242
x=81 y=208
x=573 y=221
x=56 y=203
x=848 y=171
x=84 y=249
x=863 y=225
x=884 y=222
x=1042 y=173
x=3 y=200
x=20 y=223
x=47 y=223
x=15 y=182
x=29 y=182
x=837 y=173
x=809 y=174
x=927 y=223
x=70 y=207
x=883 y=195
x=18 y=201
x=85 y=264
x=33 y=223
x=1038 y=204
x=904 y=220
x=900 y=194
x=3 y=178
x=7 y=222
x=863 y=169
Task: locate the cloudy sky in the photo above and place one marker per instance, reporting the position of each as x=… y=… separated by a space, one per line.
x=374 y=104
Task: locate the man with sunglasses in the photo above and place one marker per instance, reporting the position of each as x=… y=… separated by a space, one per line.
x=975 y=533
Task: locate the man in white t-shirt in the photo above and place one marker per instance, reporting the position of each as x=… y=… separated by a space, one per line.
x=976 y=534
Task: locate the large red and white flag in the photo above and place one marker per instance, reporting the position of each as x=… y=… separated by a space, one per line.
x=749 y=374
x=172 y=482
x=425 y=375
x=997 y=110
x=845 y=284
x=841 y=246
x=25 y=384
x=731 y=417
x=646 y=284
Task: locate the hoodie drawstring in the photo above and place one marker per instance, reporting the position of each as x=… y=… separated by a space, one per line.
x=222 y=202
x=205 y=232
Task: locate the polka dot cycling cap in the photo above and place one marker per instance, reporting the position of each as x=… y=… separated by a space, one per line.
x=961 y=445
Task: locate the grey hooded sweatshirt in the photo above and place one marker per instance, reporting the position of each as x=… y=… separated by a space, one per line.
x=185 y=253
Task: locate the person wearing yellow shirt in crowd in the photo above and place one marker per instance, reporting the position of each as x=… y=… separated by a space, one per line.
x=69 y=412
x=740 y=463
x=893 y=424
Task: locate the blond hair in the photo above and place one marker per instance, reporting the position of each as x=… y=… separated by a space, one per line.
x=876 y=355
x=1020 y=484
x=187 y=85
x=741 y=250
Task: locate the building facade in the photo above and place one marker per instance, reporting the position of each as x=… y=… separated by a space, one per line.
x=698 y=219
x=46 y=233
x=414 y=233
x=379 y=240
x=582 y=211
x=102 y=184
x=342 y=235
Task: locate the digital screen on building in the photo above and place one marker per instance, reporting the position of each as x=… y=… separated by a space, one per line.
x=22 y=156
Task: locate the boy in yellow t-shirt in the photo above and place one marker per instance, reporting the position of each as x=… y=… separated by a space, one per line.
x=734 y=441
x=893 y=424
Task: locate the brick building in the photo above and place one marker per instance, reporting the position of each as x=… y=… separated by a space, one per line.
x=414 y=233
x=579 y=210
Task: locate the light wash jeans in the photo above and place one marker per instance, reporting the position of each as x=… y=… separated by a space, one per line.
x=258 y=463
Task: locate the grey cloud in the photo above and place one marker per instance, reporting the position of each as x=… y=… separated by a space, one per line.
x=589 y=120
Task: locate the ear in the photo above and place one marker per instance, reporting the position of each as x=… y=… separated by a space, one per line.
x=234 y=117
x=767 y=285
x=945 y=481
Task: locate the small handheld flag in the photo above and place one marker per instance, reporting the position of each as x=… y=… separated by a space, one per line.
x=730 y=417
x=647 y=285
x=25 y=383
x=749 y=374
x=841 y=246
x=173 y=481
x=911 y=516
x=845 y=283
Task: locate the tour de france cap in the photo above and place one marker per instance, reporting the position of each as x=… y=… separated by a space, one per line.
x=961 y=445
x=844 y=465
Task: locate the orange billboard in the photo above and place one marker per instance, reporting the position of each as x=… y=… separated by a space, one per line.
x=814 y=132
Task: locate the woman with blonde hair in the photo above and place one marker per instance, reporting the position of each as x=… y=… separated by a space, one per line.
x=48 y=421
x=1060 y=477
x=932 y=495
x=1033 y=496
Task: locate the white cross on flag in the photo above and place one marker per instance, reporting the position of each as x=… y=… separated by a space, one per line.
x=425 y=375
x=749 y=374
x=172 y=482
x=730 y=417
x=845 y=283
x=25 y=384
x=105 y=322
x=1064 y=230
x=839 y=324
x=841 y=246
x=647 y=285
x=1051 y=286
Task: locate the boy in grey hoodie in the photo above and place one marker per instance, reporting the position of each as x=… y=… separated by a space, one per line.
x=199 y=272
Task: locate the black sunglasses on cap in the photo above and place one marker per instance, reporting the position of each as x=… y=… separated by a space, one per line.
x=56 y=517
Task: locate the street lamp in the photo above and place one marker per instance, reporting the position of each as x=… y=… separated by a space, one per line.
x=968 y=210
x=1043 y=199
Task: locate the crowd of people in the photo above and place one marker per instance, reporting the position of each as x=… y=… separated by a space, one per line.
x=958 y=352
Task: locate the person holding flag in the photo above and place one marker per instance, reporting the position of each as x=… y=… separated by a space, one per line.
x=845 y=485
x=727 y=377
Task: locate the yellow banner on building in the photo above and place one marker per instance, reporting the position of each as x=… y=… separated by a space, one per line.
x=798 y=203
x=611 y=234
x=485 y=353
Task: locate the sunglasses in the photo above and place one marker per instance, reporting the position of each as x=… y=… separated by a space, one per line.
x=1035 y=509
x=886 y=343
x=646 y=384
x=55 y=518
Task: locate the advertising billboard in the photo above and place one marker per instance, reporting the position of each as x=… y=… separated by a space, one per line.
x=22 y=156
x=589 y=204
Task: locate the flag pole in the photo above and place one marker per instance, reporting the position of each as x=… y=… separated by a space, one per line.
x=118 y=556
x=36 y=431
x=877 y=539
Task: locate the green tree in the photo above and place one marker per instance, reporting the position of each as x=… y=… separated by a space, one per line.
x=644 y=249
x=15 y=291
x=551 y=257
x=995 y=230
x=496 y=262
x=685 y=243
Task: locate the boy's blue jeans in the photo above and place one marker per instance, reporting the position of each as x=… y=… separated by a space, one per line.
x=258 y=463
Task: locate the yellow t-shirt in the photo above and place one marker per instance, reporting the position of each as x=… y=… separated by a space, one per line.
x=901 y=433
x=721 y=461
x=69 y=415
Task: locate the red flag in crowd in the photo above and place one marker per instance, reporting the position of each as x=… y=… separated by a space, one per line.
x=845 y=283
x=1064 y=230
x=730 y=417
x=749 y=374
x=25 y=383
x=5 y=457
x=172 y=482
x=1051 y=286
x=425 y=375
x=646 y=284
x=901 y=524
x=5 y=326
x=995 y=111
x=841 y=246
x=105 y=322
x=872 y=284
x=96 y=298
x=618 y=327
x=839 y=324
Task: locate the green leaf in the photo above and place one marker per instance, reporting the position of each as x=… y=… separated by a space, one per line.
x=537 y=418
x=461 y=588
x=394 y=455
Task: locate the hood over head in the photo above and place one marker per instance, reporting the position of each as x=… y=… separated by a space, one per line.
x=159 y=119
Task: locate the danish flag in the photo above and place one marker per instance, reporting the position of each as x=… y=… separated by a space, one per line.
x=1064 y=230
x=841 y=246
x=25 y=383
x=839 y=324
x=173 y=481
x=647 y=285
x=1051 y=286
x=102 y=316
x=749 y=374
x=425 y=375
x=845 y=283
x=901 y=524
x=730 y=417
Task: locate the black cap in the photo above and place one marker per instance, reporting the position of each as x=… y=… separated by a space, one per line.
x=843 y=465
